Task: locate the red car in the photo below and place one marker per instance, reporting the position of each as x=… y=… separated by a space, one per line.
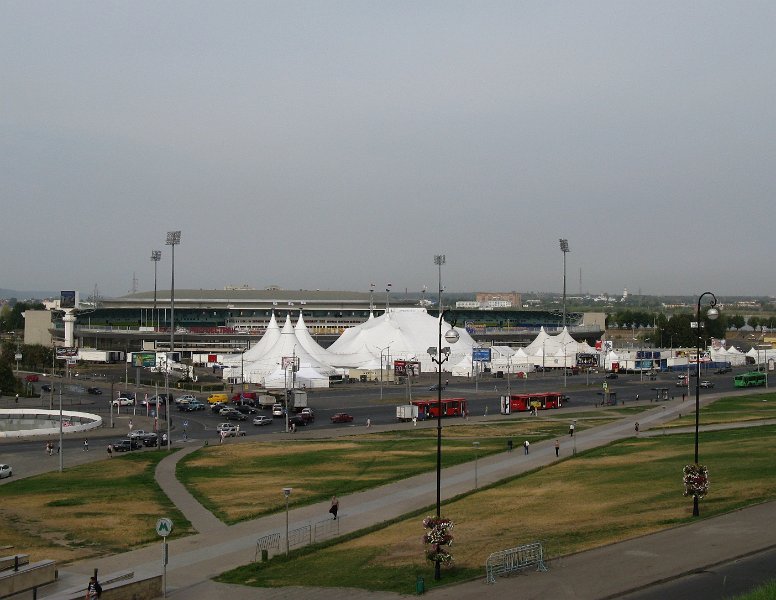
x=341 y=418
x=31 y=378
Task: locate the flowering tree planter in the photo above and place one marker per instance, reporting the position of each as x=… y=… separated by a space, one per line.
x=437 y=537
x=696 y=480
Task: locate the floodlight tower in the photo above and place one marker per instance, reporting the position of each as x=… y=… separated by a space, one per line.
x=156 y=256
x=173 y=239
x=564 y=247
x=439 y=260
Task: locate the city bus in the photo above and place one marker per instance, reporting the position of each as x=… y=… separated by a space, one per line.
x=451 y=407
x=750 y=379
x=524 y=402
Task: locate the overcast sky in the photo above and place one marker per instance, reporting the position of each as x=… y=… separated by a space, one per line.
x=332 y=144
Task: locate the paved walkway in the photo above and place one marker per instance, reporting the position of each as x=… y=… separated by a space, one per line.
x=602 y=573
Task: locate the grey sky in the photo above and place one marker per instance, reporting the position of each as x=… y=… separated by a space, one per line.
x=327 y=144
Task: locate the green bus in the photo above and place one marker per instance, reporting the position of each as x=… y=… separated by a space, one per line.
x=750 y=379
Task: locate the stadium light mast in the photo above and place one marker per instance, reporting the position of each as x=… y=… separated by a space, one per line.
x=564 y=247
x=173 y=239
x=156 y=256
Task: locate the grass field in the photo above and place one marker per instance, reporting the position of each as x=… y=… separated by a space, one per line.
x=623 y=490
x=99 y=508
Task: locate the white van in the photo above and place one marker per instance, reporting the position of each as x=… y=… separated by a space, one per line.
x=277 y=410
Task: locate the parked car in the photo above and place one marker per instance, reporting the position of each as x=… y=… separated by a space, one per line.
x=216 y=408
x=707 y=384
x=5 y=471
x=298 y=421
x=245 y=409
x=94 y=391
x=192 y=406
x=341 y=418
x=262 y=420
x=122 y=401
x=32 y=378
x=150 y=440
x=126 y=445
x=162 y=398
x=138 y=433
x=234 y=415
x=45 y=387
x=612 y=376
x=185 y=399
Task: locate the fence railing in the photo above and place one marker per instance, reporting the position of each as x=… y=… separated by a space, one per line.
x=514 y=559
x=300 y=536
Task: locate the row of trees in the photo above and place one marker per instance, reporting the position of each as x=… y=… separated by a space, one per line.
x=11 y=314
x=638 y=318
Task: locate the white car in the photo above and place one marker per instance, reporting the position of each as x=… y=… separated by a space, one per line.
x=262 y=420
x=277 y=410
x=137 y=433
x=5 y=471
x=226 y=427
x=185 y=399
x=707 y=384
x=122 y=402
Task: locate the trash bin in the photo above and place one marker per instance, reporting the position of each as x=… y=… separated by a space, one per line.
x=264 y=555
x=420 y=586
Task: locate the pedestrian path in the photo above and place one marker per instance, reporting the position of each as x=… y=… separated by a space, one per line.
x=600 y=573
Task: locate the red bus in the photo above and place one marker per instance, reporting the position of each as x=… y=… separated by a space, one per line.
x=451 y=407
x=524 y=402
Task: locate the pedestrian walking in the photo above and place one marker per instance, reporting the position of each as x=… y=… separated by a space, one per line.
x=110 y=450
x=414 y=421
x=86 y=445
x=509 y=445
x=571 y=430
x=557 y=448
x=17 y=398
x=93 y=589
x=369 y=422
x=525 y=446
x=49 y=448
x=636 y=427
x=334 y=507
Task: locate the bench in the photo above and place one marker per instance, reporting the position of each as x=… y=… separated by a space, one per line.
x=514 y=559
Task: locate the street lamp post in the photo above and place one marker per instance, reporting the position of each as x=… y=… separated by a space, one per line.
x=476 y=458
x=712 y=313
x=387 y=351
x=287 y=493
x=173 y=239
x=564 y=247
x=156 y=256
x=439 y=357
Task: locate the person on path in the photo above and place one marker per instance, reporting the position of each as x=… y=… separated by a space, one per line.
x=509 y=445
x=93 y=590
x=525 y=446
x=86 y=445
x=571 y=430
x=110 y=450
x=334 y=507
x=414 y=421
x=49 y=448
x=369 y=422
x=557 y=448
x=17 y=398
x=637 y=427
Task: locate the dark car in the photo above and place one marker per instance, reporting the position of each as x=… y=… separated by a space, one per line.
x=192 y=406
x=245 y=409
x=436 y=388
x=723 y=370
x=341 y=418
x=45 y=387
x=126 y=445
x=612 y=376
x=95 y=391
x=150 y=440
x=217 y=406
x=234 y=415
x=298 y=421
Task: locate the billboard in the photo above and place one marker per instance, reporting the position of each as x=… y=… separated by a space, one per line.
x=402 y=368
x=68 y=299
x=64 y=352
x=481 y=354
x=144 y=359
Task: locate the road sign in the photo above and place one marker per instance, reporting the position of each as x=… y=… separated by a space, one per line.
x=164 y=527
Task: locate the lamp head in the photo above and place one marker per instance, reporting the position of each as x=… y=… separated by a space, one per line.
x=287 y=492
x=712 y=313
x=452 y=336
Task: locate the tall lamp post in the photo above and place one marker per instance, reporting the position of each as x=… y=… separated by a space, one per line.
x=439 y=355
x=711 y=314
x=156 y=256
x=287 y=493
x=173 y=239
x=564 y=247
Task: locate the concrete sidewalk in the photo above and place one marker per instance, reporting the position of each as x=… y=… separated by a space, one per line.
x=602 y=573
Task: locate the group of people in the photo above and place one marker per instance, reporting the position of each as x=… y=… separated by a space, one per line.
x=50 y=448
